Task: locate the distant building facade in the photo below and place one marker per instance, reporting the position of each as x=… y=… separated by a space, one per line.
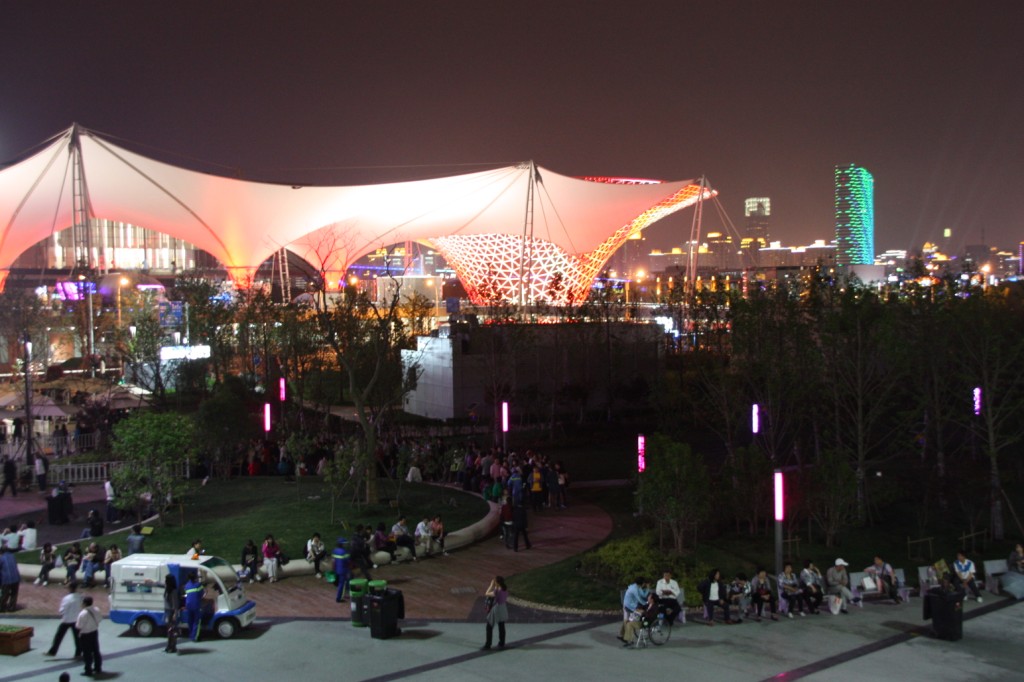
x=756 y=212
x=855 y=215
x=558 y=368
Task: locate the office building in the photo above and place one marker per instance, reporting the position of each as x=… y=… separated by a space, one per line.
x=855 y=215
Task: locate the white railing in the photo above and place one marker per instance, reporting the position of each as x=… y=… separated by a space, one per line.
x=51 y=445
x=94 y=472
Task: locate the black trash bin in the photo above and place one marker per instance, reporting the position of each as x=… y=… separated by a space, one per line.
x=385 y=610
x=945 y=608
x=53 y=510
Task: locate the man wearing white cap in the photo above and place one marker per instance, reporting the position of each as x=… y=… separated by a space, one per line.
x=839 y=583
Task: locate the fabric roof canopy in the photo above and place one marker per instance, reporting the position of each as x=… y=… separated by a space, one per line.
x=242 y=223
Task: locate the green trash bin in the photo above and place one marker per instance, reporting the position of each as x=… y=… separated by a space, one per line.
x=357 y=591
x=377 y=587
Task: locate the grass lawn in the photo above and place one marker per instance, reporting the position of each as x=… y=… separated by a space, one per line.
x=226 y=513
x=562 y=584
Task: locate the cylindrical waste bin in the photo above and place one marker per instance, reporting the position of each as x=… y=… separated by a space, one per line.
x=357 y=591
x=385 y=609
x=945 y=609
x=376 y=586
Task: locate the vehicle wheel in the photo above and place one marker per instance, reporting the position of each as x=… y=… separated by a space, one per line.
x=145 y=627
x=660 y=632
x=226 y=628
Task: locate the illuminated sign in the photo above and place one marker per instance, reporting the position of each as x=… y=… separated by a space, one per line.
x=755 y=418
x=184 y=352
x=504 y=417
x=641 y=453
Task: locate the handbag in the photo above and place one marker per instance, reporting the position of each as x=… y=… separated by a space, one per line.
x=869 y=584
x=282 y=559
x=488 y=604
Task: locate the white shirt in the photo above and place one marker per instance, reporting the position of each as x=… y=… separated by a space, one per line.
x=28 y=538
x=88 y=620
x=713 y=592
x=422 y=529
x=108 y=488
x=667 y=589
x=70 y=606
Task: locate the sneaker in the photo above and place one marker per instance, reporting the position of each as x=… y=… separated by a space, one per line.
x=802 y=614
x=789 y=614
x=447 y=554
x=38 y=582
x=980 y=600
x=319 y=575
x=844 y=612
x=45 y=583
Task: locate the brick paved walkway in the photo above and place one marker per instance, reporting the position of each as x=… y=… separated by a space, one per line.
x=435 y=588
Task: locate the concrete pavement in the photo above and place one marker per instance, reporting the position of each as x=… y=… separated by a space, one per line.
x=878 y=643
x=300 y=632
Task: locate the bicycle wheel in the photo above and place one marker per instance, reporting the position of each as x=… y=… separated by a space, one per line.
x=661 y=631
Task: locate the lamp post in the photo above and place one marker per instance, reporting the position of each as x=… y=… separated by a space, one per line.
x=84 y=284
x=780 y=515
x=504 y=427
x=28 y=400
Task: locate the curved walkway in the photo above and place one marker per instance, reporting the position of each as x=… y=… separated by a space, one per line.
x=435 y=588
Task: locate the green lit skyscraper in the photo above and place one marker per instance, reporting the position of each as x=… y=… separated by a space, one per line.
x=855 y=216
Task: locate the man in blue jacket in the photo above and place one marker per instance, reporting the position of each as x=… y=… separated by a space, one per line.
x=194 y=605
x=341 y=569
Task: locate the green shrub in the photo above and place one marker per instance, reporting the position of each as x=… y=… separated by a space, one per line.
x=622 y=561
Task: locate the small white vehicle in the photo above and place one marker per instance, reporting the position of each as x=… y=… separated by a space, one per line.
x=137 y=592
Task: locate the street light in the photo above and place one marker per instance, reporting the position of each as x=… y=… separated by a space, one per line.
x=504 y=426
x=780 y=515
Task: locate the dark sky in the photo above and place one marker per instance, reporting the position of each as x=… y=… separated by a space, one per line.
x=762 y=97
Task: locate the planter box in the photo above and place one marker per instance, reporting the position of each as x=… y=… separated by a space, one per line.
x=14 y=641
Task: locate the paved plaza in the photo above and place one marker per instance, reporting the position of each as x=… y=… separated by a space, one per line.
x=301 y=633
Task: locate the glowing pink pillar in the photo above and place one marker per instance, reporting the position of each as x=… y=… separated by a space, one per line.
x=641 y=453
x=780 y=515
x=282 y=391
x=755 y=419
x=504 y=426
x=266 y=417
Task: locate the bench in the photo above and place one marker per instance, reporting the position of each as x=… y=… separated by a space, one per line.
x=993 y=569
x=857 y=580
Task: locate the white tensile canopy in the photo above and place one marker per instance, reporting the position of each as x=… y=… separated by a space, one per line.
x=242 y=223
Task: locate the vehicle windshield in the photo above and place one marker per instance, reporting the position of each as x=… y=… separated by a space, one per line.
x=221 y=569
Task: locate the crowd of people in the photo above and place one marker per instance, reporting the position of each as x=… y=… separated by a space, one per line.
x=793 y=593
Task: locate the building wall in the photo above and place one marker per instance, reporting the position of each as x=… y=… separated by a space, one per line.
x=855 y=215
x=569 y=366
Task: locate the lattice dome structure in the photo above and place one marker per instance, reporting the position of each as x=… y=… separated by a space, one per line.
x=512 y=267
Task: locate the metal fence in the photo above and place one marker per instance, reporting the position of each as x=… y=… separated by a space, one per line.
x=52 y=445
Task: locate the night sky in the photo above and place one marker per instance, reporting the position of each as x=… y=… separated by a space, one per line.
x=762 y=97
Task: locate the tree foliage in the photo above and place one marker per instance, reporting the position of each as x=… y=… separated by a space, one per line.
x=153 y=448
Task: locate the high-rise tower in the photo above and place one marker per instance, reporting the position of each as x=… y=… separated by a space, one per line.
x=756 y=212
x=855 y=216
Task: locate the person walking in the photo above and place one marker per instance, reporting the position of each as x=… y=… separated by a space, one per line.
x=10 y=580
x=341 y=569
x=88 y=624
x=496 y=600
x=520 y=525
x=70 y=607
x=10 y=477
x=194 y=605
x=172 y=607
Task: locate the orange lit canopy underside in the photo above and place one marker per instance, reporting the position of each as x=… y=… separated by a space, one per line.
x=475 y=219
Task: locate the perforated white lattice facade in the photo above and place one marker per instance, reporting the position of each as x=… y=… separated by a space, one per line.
x=491 y=267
